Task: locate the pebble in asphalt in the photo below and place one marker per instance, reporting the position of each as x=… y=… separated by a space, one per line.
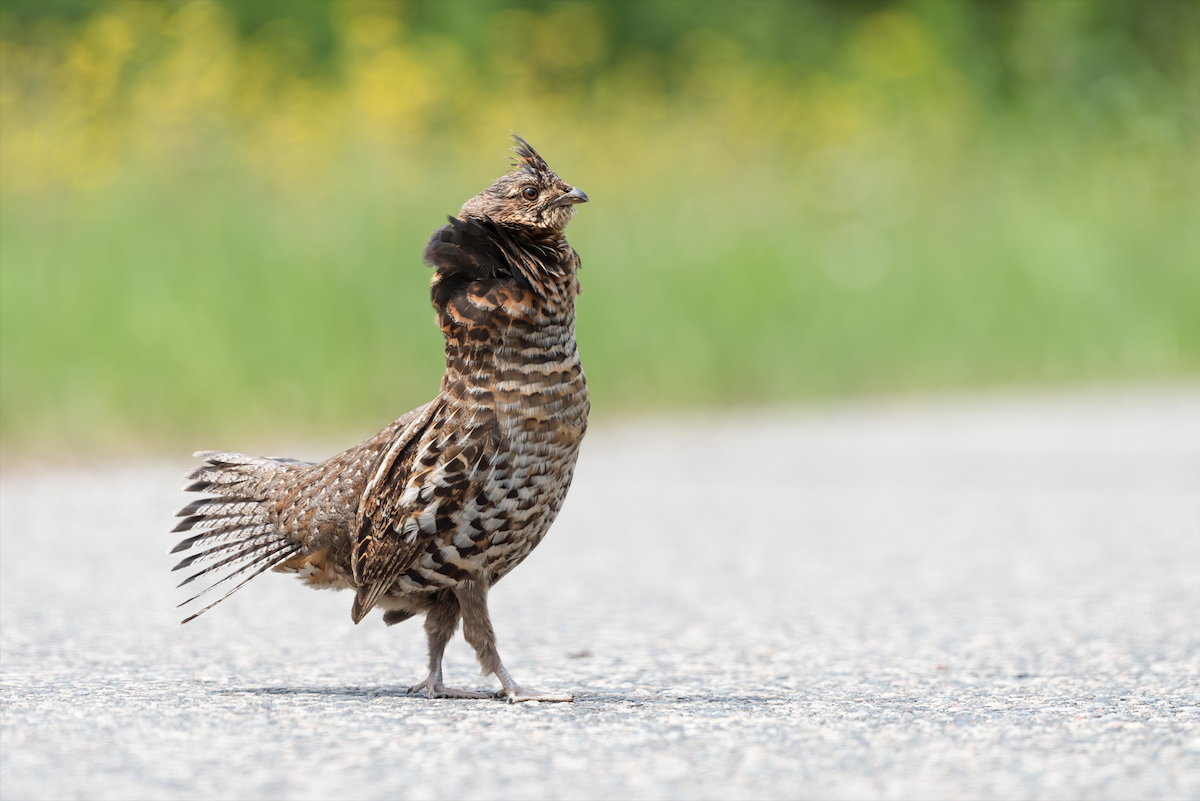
x=982 y=598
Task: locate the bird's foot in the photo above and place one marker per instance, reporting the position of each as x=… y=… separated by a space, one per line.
x=516 y=694
x=435 y=689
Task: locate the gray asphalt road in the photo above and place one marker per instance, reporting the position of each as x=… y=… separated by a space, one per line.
x=976 y=599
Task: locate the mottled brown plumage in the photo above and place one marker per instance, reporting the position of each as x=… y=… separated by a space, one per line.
x=426 y=515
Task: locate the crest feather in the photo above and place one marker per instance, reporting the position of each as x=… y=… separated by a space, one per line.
x=528 y=159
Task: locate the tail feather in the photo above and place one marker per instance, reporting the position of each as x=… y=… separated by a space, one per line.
x=256 y=537
x=253 y=555
x=235 y=527
x=209 y=523
x=224 y=533
x=208 y=508
x=246 y=581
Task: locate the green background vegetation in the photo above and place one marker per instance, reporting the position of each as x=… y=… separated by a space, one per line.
x=212 y=214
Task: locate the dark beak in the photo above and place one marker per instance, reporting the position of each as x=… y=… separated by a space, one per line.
x=574 y=196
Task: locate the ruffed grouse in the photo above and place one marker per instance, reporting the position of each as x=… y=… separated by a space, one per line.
x=428 y=514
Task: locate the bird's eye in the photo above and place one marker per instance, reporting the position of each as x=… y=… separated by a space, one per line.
x=530 y=193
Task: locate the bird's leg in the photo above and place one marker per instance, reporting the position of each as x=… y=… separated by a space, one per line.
x=477 y=628
x=440 y=624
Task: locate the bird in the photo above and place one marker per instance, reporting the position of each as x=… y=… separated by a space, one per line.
x=427 y=515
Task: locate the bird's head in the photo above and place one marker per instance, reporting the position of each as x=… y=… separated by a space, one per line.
x=530 y=197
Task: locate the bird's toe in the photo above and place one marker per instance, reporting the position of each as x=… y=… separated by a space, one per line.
x=434 y=689
x=516 y=695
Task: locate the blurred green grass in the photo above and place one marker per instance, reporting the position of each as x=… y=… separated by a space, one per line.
x=195 y=296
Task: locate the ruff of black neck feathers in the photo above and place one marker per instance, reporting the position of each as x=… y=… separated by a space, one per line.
x=473 y=249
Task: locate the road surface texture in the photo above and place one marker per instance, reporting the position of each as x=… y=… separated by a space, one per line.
x=980 y=598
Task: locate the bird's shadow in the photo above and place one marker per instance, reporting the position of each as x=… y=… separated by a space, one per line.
x=590 y=698
x=350 y=692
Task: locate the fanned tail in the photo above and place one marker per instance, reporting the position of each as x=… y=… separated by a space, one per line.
x=234 y=530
